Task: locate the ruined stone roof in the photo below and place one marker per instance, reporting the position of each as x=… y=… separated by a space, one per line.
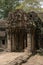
x=33 y=16
x=3 y=23
x=41 y=15
x=2 y=33
x=18 y=19
x=3 y=26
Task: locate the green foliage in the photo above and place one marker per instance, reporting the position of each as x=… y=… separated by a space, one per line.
x=8 y=5
x=30 y=5
x=11 y=5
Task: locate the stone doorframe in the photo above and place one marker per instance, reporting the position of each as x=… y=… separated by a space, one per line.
x=11 y=41
x=30 y=42
x=18 y=41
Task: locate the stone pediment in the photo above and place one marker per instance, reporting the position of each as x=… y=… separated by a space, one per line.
x=18 y=18
x=21 y=19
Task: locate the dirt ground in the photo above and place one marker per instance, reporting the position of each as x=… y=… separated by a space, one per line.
x=35 y=60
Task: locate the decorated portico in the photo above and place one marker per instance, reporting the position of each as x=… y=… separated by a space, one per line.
x=21 y=31
x=19 y=35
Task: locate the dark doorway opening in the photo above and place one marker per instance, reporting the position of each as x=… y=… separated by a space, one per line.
x=21 y=41
x=36 y=40
x=25 y=40
x=41 y=41
x=2 y=45
x=3 y=42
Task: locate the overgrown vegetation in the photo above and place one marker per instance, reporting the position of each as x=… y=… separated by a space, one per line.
x=30 y=5
x=6 y=6
x=11 y=5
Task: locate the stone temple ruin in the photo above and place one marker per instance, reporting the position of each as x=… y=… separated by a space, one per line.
x=21 y=31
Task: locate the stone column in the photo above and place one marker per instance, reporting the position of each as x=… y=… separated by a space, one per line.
x=5 y=39
x=33 y=41
x=0 y=43
x=13 y=42
x=12 y=47
x=28 y=42
x=8 y=42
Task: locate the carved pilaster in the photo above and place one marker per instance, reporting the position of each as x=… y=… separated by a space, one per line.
x=8 y=41
x=13 y=42
x=28 y=42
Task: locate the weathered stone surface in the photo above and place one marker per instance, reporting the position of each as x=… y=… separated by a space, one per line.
x=8 y=58
x=28 y=42
x=35 y=60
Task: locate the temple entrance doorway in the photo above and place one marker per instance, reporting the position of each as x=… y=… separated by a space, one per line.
x=36 y=45
x=2 y=45
x=41 y=41
x=36 y=41
x=20 y=41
